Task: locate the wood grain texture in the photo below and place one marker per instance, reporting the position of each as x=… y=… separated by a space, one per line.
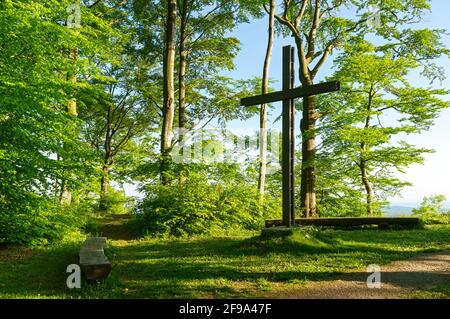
x=93 y=261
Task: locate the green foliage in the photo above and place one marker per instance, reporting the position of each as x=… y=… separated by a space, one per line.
x=36 y=132
x=432 y=210
x=198 y=207
x=37 y=220
x=116 y=202
x=119 y=101
x=361 y=150
x=375 y=87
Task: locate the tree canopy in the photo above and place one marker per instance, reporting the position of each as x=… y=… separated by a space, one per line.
x=94 y=94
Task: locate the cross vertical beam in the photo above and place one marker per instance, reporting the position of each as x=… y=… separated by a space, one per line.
x=288 y=139
x=287 y=95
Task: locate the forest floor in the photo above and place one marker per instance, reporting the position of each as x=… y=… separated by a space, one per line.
x=313 y=264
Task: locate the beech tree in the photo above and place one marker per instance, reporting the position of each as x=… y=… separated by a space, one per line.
x=114 y=118
x=194 y=32
x=168 y=108
x=40 y=83
x=362 y=134
x=263 y=110
x=318 y=28
x=93 y=103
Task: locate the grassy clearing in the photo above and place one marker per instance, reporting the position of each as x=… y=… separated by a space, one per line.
x=239 y=265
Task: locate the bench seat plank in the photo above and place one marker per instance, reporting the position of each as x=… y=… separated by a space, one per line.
x=93 y=261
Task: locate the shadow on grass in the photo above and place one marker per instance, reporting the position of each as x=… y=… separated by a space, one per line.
x=217 y=267
x=233 y=266
x=197 y=279
x=41 y=273
x=321 y=244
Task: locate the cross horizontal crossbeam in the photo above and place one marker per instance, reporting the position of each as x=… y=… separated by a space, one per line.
x=288 y=96
x=291 y=93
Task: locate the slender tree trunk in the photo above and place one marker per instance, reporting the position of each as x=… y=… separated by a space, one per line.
x=363 y=163
x=66 y=195
x=263 y=110
x=182 y=81
x=107 y=162
x=58 y=182
x=368 y=187
x=104 y=188
x=168 y=91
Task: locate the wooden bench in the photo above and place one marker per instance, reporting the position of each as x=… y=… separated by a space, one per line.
x=93 y=261
x=381 y=222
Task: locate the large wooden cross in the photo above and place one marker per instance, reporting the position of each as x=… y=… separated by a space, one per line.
x=287 y=95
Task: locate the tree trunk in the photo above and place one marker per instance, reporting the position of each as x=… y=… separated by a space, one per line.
x=104 y=187
x=308 y=205
x=182 y=82
x=168 y=91
x=66 y=195
x=308 y=175
x=368 y=187
x=363 y=162
x=263 y=110
x=107 y=162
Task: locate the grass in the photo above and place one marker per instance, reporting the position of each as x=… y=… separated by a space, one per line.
x=435 y=293
x=237 y=265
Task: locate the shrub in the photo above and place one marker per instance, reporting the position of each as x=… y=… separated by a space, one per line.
x=38 y=220
x=431 y=210
x=116 y=202
x=199 y=207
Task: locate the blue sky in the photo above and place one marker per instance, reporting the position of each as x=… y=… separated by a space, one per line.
x=431 y=178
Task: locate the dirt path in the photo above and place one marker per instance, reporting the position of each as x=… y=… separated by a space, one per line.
x=114 y=227
x=397 y=280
